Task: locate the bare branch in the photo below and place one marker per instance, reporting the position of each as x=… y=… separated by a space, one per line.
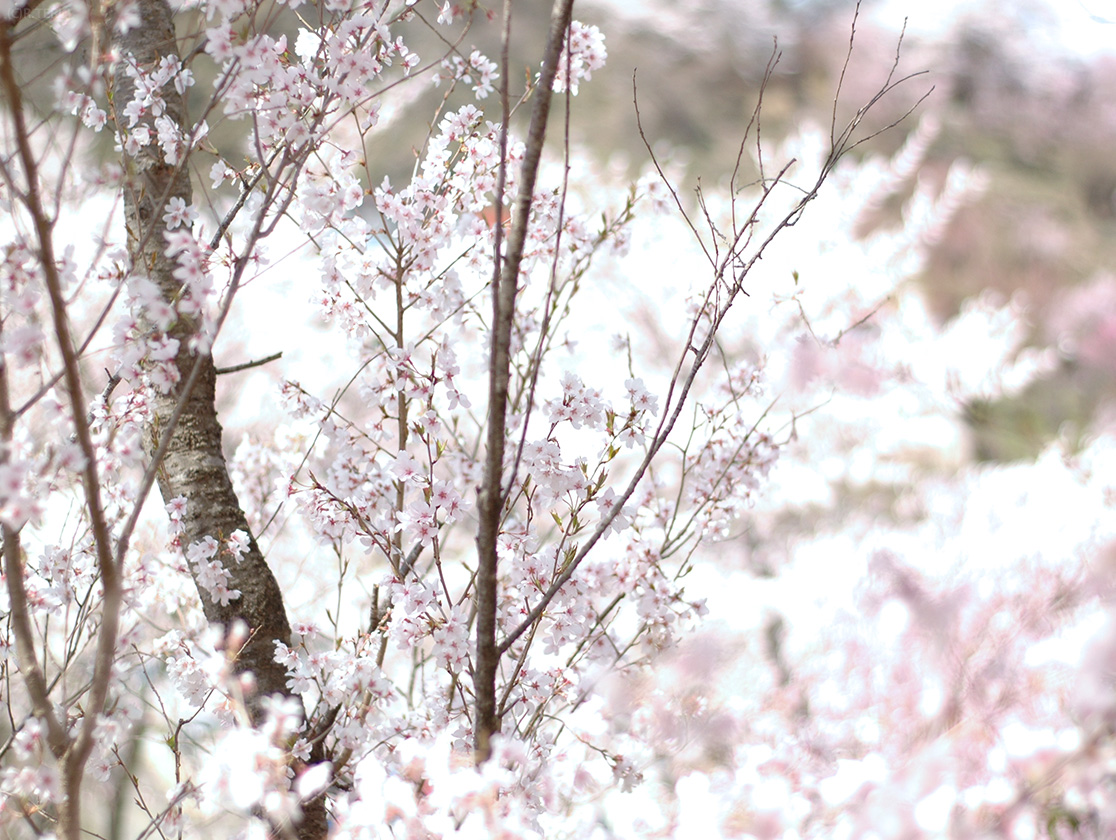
x=248 y=365
x=504 y=290
x=77 y=752
x=700 y=350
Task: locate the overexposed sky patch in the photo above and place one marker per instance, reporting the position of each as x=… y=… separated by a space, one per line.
x=1084 y=27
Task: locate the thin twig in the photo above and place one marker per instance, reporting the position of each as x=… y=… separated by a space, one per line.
x=701 y=350
x=246 y=365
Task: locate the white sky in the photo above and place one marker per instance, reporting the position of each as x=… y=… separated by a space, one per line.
x=1085 y=27
x=1082 y=26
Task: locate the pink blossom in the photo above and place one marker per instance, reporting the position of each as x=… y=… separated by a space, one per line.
x=407 y=469
x=178 y=214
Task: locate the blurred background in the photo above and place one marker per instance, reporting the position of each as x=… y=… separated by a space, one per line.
x=1023 y=89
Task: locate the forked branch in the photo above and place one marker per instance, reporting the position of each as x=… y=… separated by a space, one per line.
x=720 y=295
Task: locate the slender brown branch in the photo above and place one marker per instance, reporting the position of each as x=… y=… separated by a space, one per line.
x=73 y=765
x=247 y=365
x=700 y=350
x=841 y=77
x=503 y=315
x=12 y=551
x=663 y=176
x=20 y=622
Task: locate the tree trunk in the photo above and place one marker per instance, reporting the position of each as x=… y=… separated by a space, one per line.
x=194 y=466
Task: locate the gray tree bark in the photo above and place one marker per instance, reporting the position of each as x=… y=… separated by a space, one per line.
x=193 y=464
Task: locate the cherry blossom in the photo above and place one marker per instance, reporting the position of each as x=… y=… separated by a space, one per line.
x=743 y=578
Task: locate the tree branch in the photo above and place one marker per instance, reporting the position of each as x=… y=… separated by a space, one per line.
x=504 y=288
x=78 y=750
x=733 y=259
x=247 y=365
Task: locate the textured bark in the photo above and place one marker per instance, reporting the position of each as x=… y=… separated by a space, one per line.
x=193 y=465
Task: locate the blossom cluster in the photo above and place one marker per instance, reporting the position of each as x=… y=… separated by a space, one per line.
x=145 y=117
x=942 y=696
x=583 y=52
